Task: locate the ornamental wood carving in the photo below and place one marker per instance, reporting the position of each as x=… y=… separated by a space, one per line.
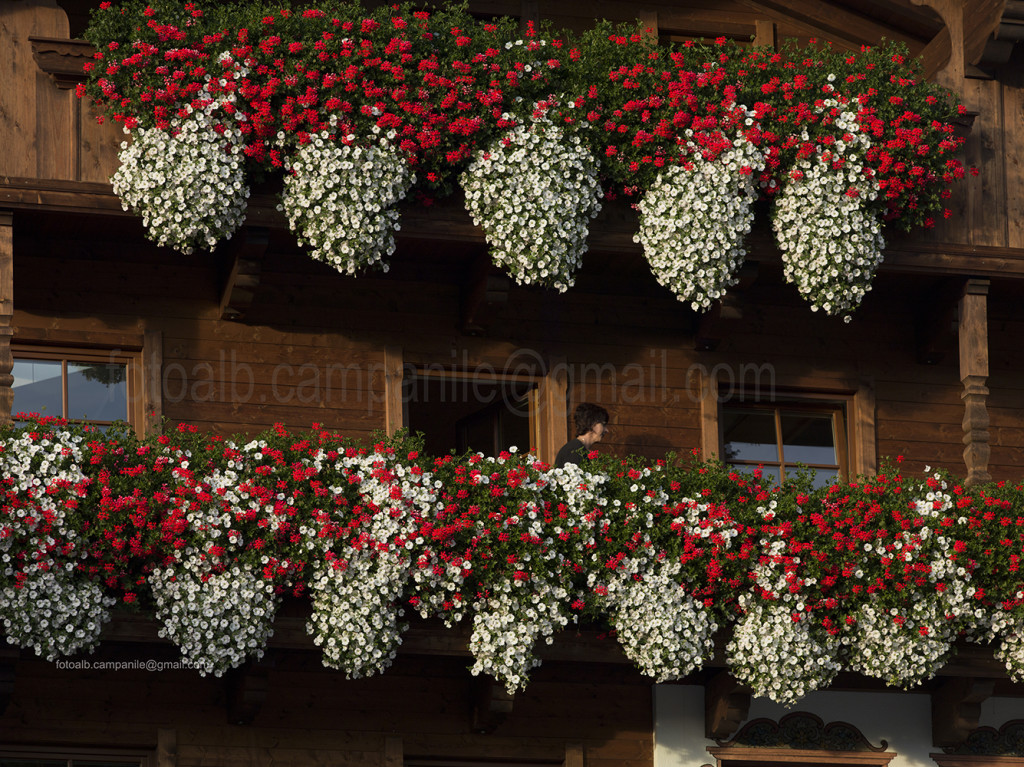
x=974 y=375
x=1008 y=741
x=805 y=731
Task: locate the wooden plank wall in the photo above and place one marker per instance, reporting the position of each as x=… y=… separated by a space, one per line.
x=46 y=132
x=314 y=346
x=313 y=716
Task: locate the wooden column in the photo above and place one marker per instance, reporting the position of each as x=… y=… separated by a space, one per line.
x=549 y=412
x=974 y=375
x=6 y=314
x=393 y=377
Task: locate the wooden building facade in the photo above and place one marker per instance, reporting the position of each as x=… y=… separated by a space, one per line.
x=256 y=334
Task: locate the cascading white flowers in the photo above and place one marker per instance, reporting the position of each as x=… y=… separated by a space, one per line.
x=693 y=221
x=54 y=613
x=44 y=604
x=356 y=613
x=662 y=629
x=902 y=648
x=780 y=654
x=507 y=625
x=217 y=618
x=188 y=182
x=340 y=197
x=831 y=242
x=533 y=192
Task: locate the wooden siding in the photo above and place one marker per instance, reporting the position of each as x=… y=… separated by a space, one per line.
x=313 y=716
x=314 y=346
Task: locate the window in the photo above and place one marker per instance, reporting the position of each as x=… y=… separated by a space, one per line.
x=486 y=413
x=781 y=436
x=742 y=420
x=94 y=388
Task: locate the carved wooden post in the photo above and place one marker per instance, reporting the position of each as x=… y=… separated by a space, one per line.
x=6 y=314
x=974 y=375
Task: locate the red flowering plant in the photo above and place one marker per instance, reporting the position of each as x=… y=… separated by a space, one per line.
x=398 y=101
x=983 y=536
x=877 y=575
x=46 y=602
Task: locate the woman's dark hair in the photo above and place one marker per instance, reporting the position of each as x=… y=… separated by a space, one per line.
x=587 y=415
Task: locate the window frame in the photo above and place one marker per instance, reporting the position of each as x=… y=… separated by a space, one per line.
x=548 y=401
x=466 y=377
x=835 y=407
x=860 y=443
x=143 y=350
x=69 y=355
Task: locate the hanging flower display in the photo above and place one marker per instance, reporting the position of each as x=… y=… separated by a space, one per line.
x=520 y=549
x=54 y=612
x=534 y=192
x=188 y=180
x=340 y=199
x=454 y=98
x=780 y=654
x=507 y=626
x=902 y=647
x=45 y=604
x=693 y=221
x=830 y=237
x=662 y=629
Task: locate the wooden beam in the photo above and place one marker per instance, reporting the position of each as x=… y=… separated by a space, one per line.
x=973 y=376
x=952 y=14
x=245 y=692
x=573 y=755
x=492 y=704
x=703 y=382
x=956 y=709
x=551 y=412
x=485 y=287
x=394 y=752
x=394 y=374
x=8 y=666
x=612 y=232
x=63 y=60
x=726 y=705
x=246 y=250
x=832 y=21
x=766 y=35
x=166 y=747
x=935 y=321
x=6 y=314
x=152 y=382
x=649 y=22
x=969 y=26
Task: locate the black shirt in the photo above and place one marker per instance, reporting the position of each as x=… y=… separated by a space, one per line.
x=572 y=451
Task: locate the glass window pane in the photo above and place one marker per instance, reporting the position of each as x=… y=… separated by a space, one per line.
x=824 y=477
x=808 y=438
x=769 y=474
x=749 y=435
x=37 y=387
x=97 y=391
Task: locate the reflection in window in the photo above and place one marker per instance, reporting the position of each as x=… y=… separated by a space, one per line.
x=75 y=388
x=781 y=437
